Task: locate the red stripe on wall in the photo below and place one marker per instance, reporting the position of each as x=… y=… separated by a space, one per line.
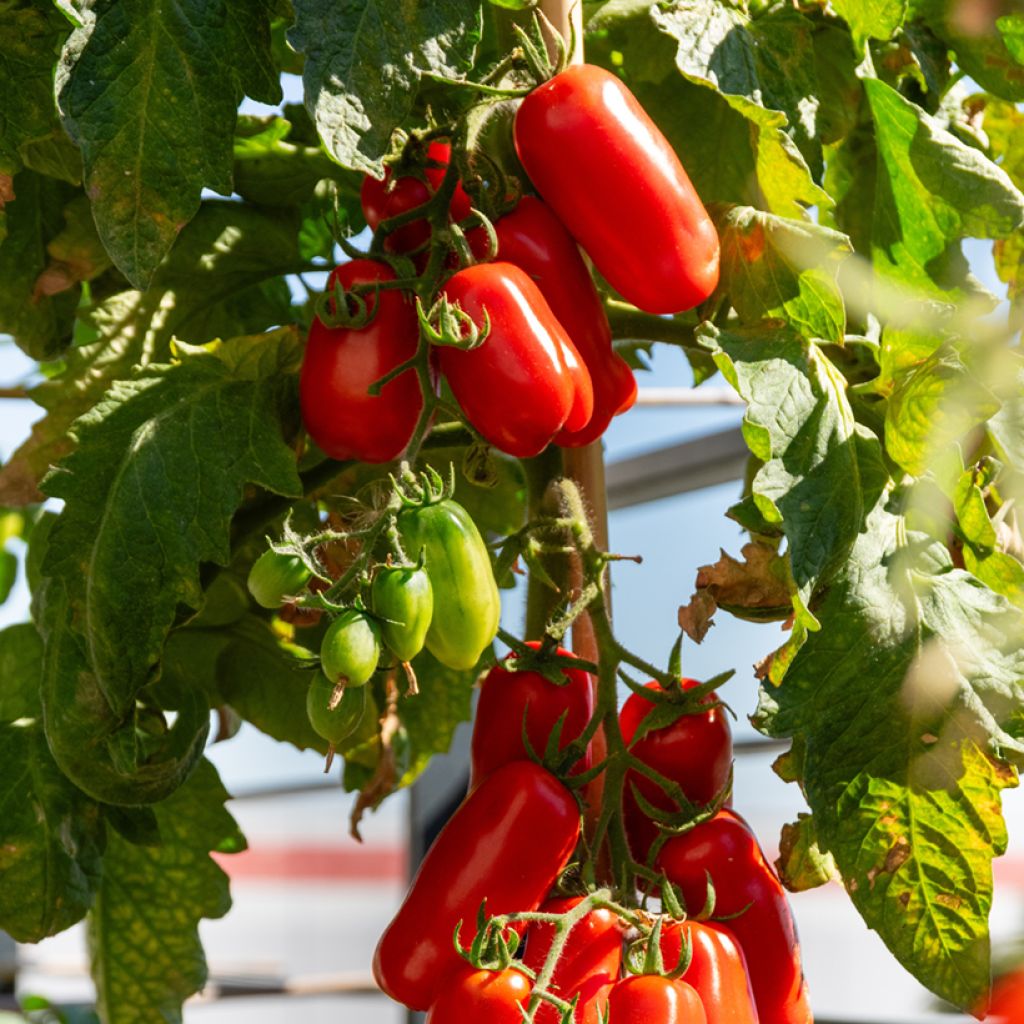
x=350 y=862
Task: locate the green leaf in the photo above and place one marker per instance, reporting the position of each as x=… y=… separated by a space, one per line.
x=271 y=171
x=149 y=493
x=51 y=839
x=1011 y=28
x=820 y=470
x=932 y=407
x=40 y=324
x=929 y=190
x=265 y=680
x=785 y=269
x=901 y=702
x=21 y=664
x=364 y=60
x=430 y=718
x=983 y=49
x=223 y=278
x=143 y=929
x=31 y=35
x=733 y=158
x=756 y=64
x=802 y=865
x=150 y=93
x=874 y=19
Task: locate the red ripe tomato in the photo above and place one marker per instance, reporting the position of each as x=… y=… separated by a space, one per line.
x=497 y=997
x=726 y=850
x=651 y=999
x=638 y=217
x=391 y=196
x=516 y=388
x=507 y=843
x=340 y=364
x=506 y=697
x=717 y=971
x=1007 y=999
x=533 y=238
x=695 y=751
x=589 y=964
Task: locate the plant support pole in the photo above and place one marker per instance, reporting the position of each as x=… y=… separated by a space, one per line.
x=584 y=465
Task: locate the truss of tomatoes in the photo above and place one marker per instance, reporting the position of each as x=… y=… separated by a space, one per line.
x=546 y=371
x=512 y=838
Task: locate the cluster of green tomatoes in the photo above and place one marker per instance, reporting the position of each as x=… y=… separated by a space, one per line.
x=430 y=586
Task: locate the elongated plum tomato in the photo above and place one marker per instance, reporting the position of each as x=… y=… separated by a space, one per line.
x=506 y=697
x=341 y=363
x=516 y=388
x=494 y=997
x=724 y=853
x=466 y=602
x=507 y=843
x=651 y=999
x=334 y=724
x=533 y=238
x=694 y=751
x=274 y=576
x=717 y=971
x=390 y=196
x=350 y=648
x=404 y=600
x=589 y=964
x=639 y=218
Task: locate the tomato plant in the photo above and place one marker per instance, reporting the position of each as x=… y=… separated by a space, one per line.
x=723 y=854
x=482 y=853
x=694 y=751
x=644 y=998
x=589 y=965
x=494 y=996
x=466 y=602
x=585 y=122
x=225 y=361
x=526 y=381
x=341 y=363
x=511 y=700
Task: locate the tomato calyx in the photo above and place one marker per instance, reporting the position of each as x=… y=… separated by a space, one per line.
x=447 y=323
x=644 y=956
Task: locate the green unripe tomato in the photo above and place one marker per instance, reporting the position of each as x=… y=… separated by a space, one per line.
x=466 y=601
x=337 y=723
x=273 y=577
x=403 y=598
x=350 y=648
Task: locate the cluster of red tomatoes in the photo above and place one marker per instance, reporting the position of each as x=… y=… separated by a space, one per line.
x=545 y=370
x=511 y=840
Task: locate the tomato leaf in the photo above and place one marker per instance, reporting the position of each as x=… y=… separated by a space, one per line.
x=821 y=470
x=785 y=269
x=364 y=60
x=875 y=19
x=30 y=38
x=190 y=436
x=758 y=64
x=988 y=52
x=51 y=839
x=41 y=325
x=910 y=192
x=176 y=73
x=221 y=279
x=932 y=407
x=430 y=718
x=21 y=662
x=265 y=680
x=904 y=703
x=143 y=932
